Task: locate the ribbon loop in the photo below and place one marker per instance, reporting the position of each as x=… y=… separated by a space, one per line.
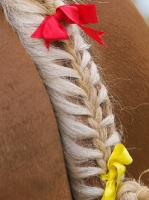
x=52 y=29
x=116 y=162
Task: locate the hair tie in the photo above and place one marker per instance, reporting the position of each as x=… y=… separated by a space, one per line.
x=52 y=29
x=116 y=162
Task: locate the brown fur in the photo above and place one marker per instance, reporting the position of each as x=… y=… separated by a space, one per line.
x=125 y=66
x=31 y=159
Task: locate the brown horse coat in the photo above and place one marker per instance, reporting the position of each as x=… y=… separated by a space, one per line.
x=31 y=159
x=125 y=66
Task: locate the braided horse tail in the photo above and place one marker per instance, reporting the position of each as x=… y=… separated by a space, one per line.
x=79 y=98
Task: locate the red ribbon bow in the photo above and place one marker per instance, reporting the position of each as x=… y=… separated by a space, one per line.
x=51 y=28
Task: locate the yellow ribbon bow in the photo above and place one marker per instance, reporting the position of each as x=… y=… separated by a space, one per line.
x=116 y=162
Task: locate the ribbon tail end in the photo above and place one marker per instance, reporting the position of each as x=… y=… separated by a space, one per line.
x=47 y=44
x=94 y=34
x=100 y=40
x=102 y=43
x=103 y=33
